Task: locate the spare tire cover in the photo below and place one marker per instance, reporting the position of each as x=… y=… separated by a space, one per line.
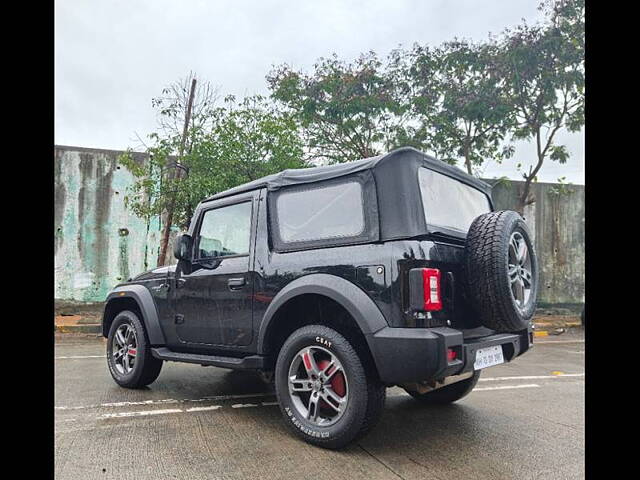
x=501 y=271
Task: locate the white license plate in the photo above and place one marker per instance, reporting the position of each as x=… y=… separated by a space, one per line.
x=487 y=357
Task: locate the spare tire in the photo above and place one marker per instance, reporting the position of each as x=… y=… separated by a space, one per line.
x=501 y=271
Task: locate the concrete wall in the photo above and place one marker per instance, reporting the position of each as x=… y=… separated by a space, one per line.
x=98 y=242
x=557 y=222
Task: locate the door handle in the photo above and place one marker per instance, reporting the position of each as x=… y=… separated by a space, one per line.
x=236 y=283
x=161 y=287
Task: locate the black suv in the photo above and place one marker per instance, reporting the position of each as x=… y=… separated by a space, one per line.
x=337 y=281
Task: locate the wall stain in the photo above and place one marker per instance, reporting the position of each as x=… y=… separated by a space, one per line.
x=86 y=174
x=123 y=254
x=60 y=198
x=102 y=207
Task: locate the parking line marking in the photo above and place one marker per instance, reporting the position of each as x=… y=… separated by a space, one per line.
x=506 y=387
x=271 y=403
x=531 y=377
x=203 y=409
x=168 y=400
x=265 y=404
x=141 y=413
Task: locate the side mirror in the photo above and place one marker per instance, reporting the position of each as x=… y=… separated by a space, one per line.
x=182 y=247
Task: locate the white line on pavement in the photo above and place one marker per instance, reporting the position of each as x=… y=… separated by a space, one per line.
x=531 y=377
x=142 y=413
x=266 y=404
x=506 y=387
x=203 y=409
x=73 y=357
x=262 y=395
x=167 y=400
x=539 y=342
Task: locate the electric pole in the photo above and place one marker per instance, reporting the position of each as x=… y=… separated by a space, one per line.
x=164 y=239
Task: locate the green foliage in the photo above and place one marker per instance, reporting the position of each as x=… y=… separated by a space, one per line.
x=347 y=110
x=246 y=141
x=543 y=67
x=561 y=188
x=503 y=181
x=460 y=101
x=544 y=70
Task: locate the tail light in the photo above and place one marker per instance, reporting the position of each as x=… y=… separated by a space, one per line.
x=425 y=289
x=451 y=355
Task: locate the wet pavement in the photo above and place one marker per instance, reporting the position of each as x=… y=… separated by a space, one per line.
x=524 y=420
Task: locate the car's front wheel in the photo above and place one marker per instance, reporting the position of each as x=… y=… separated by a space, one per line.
x=325 y=394
x=128 y=352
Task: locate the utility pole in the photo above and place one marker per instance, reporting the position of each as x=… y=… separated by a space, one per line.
x=164 y=239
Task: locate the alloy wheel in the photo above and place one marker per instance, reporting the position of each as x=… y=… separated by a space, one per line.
x=124 y=348
x=318 y=386
x=519 y=270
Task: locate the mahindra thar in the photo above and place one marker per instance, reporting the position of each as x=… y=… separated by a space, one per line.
x=337 y=282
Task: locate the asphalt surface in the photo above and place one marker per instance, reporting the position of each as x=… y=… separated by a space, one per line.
x=524 y=420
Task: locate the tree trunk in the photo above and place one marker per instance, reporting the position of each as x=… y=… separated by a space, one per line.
x=526 y=197
x=467 y=160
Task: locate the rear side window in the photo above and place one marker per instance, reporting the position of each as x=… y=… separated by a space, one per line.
x=328 y=212
x=449 y=203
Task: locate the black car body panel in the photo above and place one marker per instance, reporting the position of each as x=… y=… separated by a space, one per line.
x=226 y=306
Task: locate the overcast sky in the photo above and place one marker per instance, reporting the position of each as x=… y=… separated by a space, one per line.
x=112 y=56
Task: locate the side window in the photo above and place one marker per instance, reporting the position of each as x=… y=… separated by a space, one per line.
x=225 y=231
x=327 y=212
x=449 y=203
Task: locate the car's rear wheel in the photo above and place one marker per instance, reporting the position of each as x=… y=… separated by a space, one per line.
x=324 y=392
x=449 y=393
x=128 y=352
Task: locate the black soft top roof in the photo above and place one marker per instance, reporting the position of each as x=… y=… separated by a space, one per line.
x=402 y=162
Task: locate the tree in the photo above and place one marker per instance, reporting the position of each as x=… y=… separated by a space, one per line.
x=460 y=101
x=347 y=110
x=172 y=105
x=544 y=70
x=245 y=141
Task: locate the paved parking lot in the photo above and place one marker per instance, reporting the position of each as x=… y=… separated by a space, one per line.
x=524 y=420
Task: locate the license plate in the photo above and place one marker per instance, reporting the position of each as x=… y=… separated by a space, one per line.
x=487 y=357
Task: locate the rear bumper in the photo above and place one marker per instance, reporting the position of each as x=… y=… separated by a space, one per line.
x=405 y=355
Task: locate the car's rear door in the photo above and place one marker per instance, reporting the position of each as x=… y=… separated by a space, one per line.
x=213 y=302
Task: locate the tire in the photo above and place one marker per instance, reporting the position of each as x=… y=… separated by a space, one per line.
x=362 y=394
x=144 y=368
x=502 y=284
x=449 y=394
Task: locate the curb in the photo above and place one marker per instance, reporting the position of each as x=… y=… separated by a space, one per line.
x=95 y=328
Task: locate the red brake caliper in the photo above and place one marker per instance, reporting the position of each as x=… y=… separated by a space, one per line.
x=337 y=382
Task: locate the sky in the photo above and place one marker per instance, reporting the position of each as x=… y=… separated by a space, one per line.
x=112 y=57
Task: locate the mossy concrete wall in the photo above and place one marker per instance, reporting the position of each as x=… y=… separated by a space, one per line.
x=99 y=242
x=557 y=222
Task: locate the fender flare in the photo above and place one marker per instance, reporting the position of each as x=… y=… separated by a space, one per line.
x=147 y=306
x=359 y=305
